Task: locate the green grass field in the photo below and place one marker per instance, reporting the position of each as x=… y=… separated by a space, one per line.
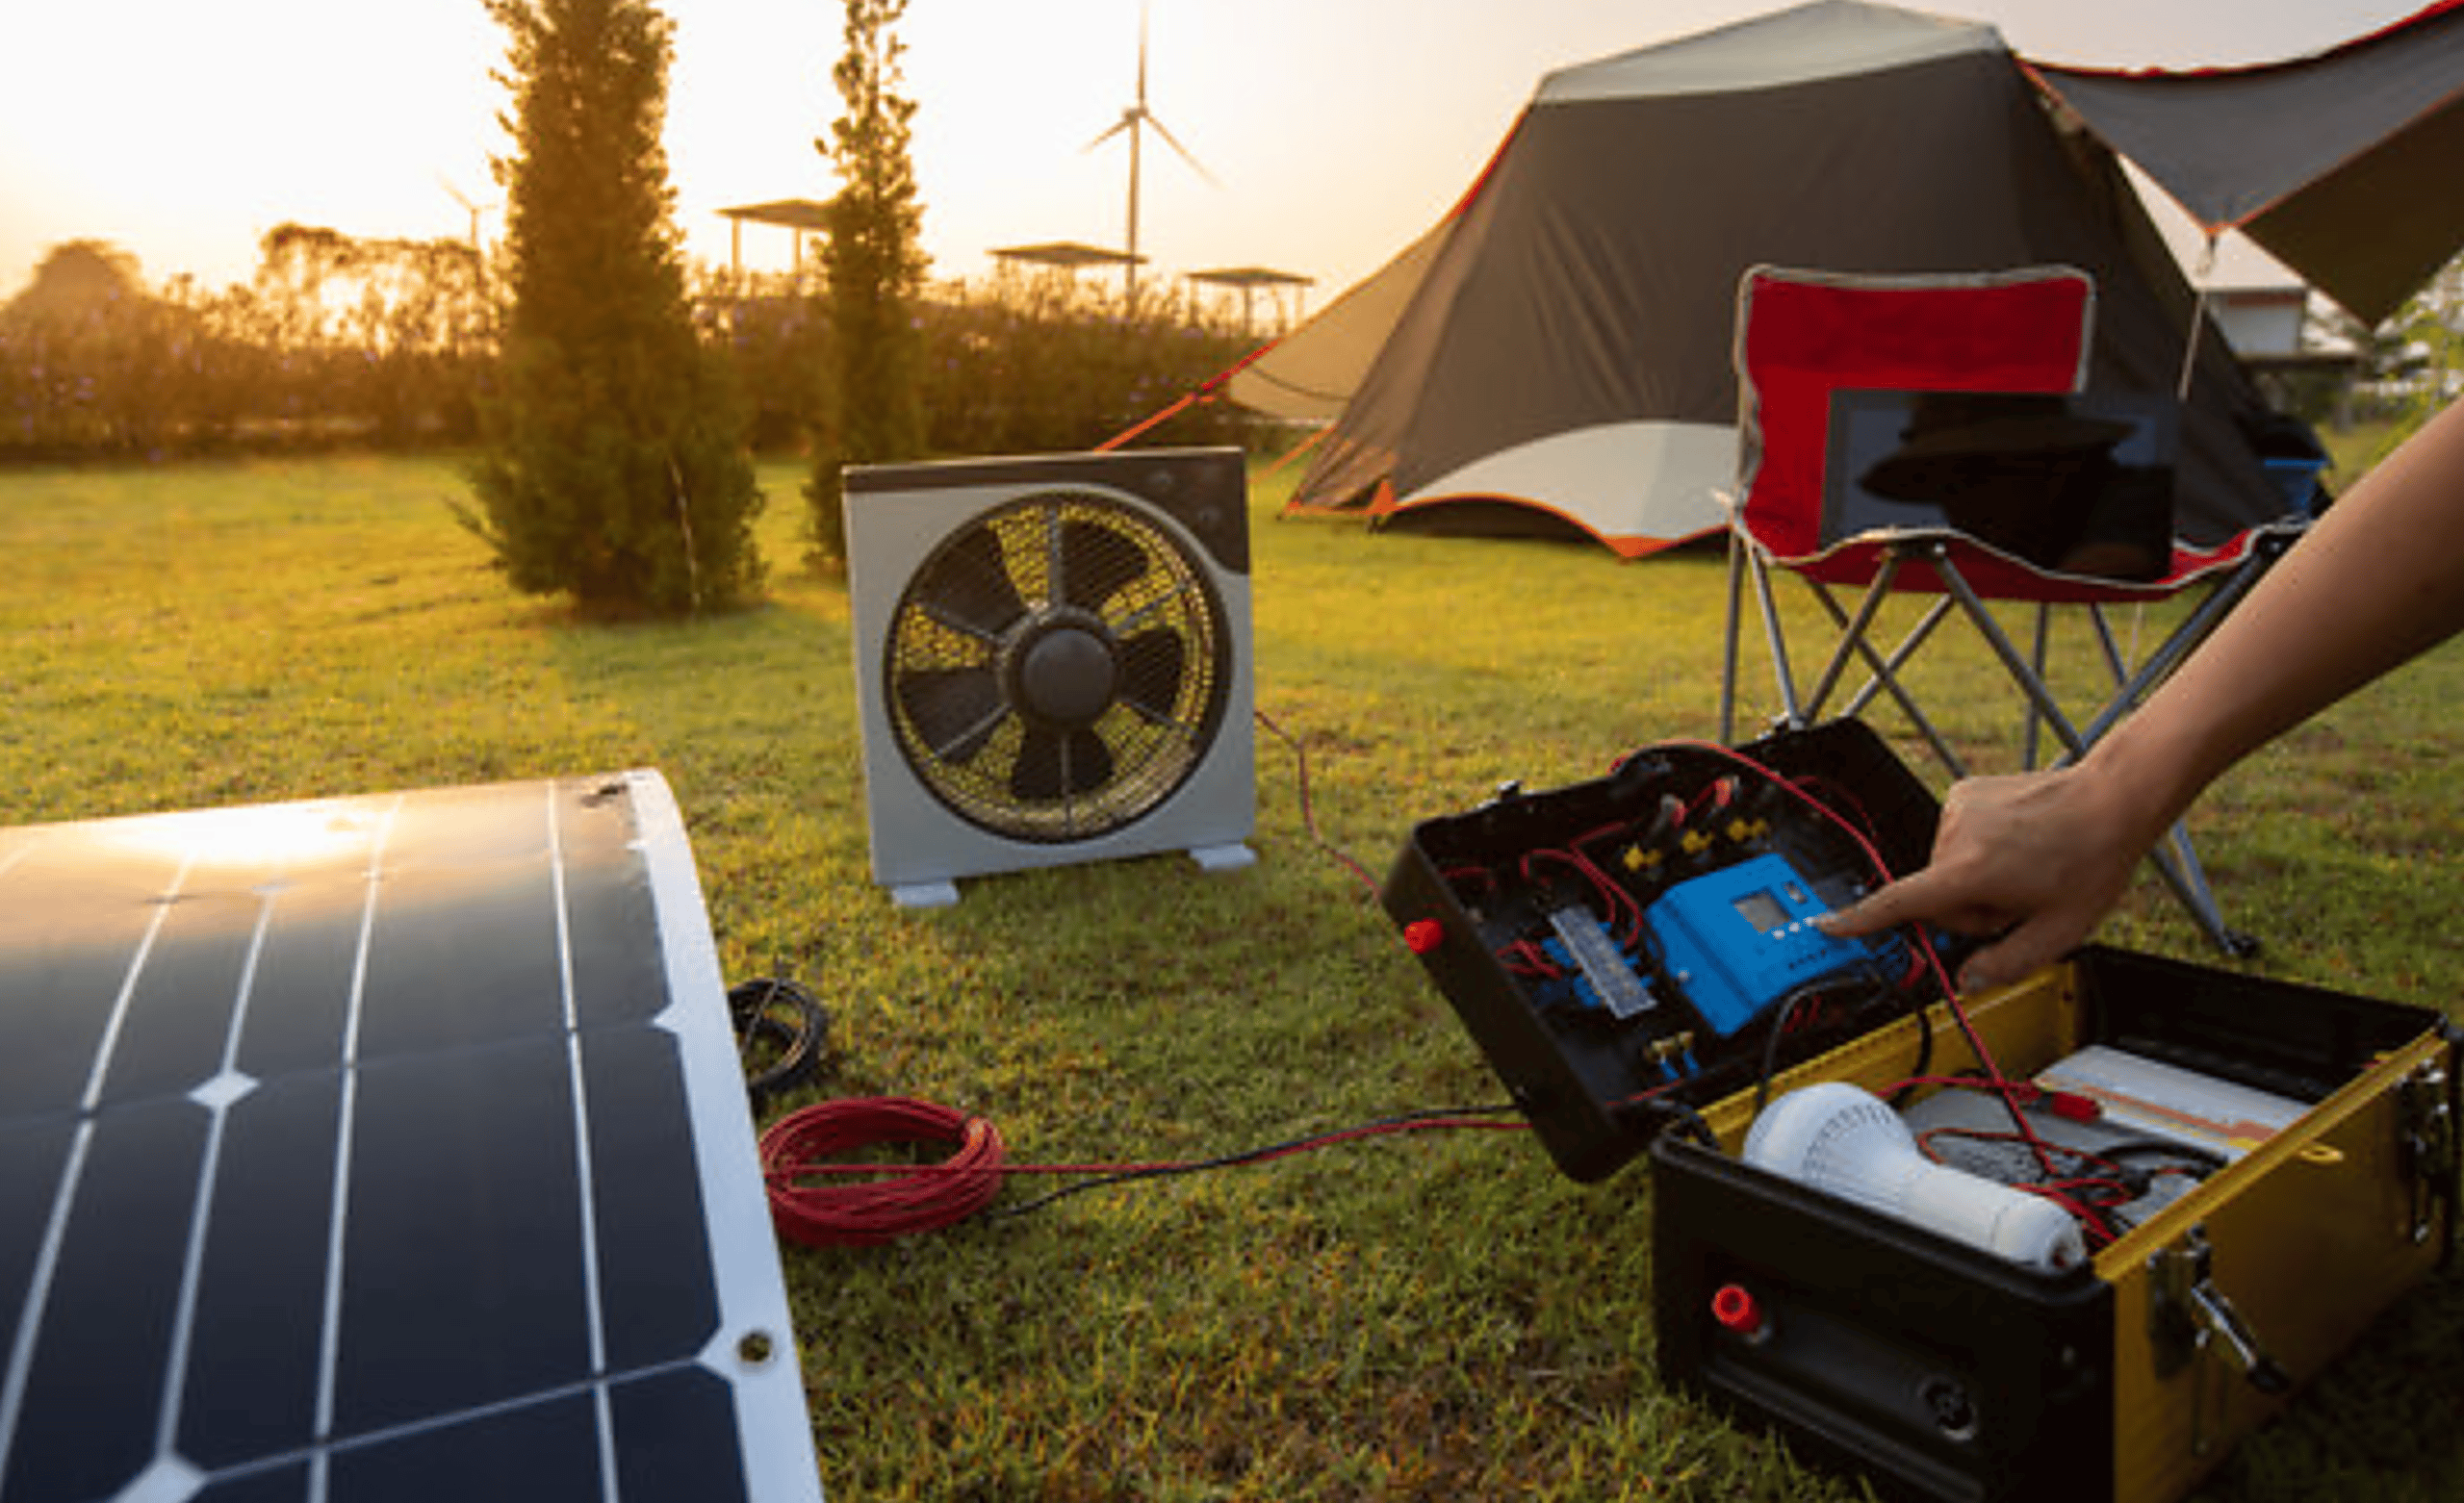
x=1433 y=1316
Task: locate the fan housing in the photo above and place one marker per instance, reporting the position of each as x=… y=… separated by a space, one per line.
x=1052 y=657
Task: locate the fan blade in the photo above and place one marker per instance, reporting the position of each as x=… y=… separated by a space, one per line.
x=1151 y=667
x=1054 y=764
x=1089 y=760
x=969 y=587
x=1096 y=562
x=954 y=710
x=1035 y=775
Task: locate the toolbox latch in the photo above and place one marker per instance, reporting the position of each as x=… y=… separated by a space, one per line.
x=2187 y=1314
x=2427 y=1120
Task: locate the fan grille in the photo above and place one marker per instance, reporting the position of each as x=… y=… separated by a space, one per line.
x=1057 y=666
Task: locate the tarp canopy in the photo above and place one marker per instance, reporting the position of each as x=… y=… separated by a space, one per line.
x=1555 y=352
x=2343 y=165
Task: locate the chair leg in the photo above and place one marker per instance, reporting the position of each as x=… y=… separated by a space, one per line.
x=2032 y=722
x=1853 y=639
x=1729 y=644
x=2176 y=860
x=1791 y=708
x=2176 y=863
x=1884 y=678
x=2193 y=630
x=2031 y=684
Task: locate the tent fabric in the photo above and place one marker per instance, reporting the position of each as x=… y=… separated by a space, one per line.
x=2296 y=154
x=1311 y=379
x=1564 y=349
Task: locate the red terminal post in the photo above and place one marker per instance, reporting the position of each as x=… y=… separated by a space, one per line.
x=1423 y=935
x=2071 y=1106
x=1734 y=1307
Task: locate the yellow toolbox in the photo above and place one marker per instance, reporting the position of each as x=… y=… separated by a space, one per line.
x=1854 y=1233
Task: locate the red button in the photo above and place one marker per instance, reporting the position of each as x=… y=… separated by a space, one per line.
x=1423 y=935
x=1737 y=1308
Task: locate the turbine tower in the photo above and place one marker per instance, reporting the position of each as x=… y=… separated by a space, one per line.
x=1136 y=119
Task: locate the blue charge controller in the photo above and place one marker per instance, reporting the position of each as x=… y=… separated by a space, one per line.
x=1737 y=940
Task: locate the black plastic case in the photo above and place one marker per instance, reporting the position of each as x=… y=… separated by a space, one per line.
x=1586 y=1089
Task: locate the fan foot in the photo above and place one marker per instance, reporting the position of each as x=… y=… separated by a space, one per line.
x=1232 y=856
x=924 y=895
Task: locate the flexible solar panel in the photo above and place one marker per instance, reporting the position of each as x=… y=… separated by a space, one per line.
x=381 y=1148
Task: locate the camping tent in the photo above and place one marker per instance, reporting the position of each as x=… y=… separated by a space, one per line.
x=1556 y=353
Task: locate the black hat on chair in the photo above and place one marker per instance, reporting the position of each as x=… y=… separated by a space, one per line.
x=1948 y=432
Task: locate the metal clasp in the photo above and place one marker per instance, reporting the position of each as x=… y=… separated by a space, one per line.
x=2428 y=1123
x=2188 y=1315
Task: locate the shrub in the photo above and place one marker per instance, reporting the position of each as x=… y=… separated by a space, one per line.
x=615 y=469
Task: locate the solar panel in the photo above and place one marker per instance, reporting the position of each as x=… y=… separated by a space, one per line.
x=378 y=1148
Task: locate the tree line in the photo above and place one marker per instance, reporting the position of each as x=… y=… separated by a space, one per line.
x=340 y=340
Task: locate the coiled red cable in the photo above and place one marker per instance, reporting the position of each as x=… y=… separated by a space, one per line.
x=841 y=1212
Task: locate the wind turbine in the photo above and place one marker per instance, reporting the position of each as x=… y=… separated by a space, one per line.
x=1136 y=119
x=475 y=210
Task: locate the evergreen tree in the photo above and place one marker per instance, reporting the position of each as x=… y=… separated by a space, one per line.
x=875 y=264
x=615 y=469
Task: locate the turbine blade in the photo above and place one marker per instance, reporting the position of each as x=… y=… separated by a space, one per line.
x=1173 y=142
x=1142 y=56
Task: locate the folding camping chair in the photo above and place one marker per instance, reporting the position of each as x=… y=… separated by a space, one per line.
x=1927 y=435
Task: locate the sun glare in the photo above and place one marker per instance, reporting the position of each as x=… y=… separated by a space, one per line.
x=288 y=837
x=1330 y=135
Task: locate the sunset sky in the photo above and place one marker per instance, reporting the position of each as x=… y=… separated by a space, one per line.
x=1334 y=130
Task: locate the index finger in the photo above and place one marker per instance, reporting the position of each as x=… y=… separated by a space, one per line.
x=1918 y=897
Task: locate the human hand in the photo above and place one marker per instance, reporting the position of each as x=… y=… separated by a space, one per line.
x=2036 y=858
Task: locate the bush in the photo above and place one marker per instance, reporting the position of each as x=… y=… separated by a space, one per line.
x=615 y=471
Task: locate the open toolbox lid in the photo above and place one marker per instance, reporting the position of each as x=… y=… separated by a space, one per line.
x=1686 y=858
x=1630 y=950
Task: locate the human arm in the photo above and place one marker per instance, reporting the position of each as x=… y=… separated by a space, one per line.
x=2378 y=580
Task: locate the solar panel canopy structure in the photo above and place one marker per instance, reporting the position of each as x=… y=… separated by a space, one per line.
x=381 y=1148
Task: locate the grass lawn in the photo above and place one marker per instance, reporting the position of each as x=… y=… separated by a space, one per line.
x=1433 y=1316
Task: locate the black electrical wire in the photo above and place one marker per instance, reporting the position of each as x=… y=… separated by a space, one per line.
x=1498 y=1117
x=793 y=1045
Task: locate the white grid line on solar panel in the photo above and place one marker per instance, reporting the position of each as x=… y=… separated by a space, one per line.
x=583 y=1167
x=109 y=1044
x=431 y=1424
x=13 y=1393
x=193 y=1261
x=329 y=1334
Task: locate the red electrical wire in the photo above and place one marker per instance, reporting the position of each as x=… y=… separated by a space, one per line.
x=799 y=1148
x=922 y=1198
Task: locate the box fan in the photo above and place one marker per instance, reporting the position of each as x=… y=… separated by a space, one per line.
x=1052 y=662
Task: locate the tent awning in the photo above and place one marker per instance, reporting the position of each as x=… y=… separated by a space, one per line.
x=2340 y=163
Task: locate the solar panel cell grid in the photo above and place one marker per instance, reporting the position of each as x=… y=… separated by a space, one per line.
x=375 y=1148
